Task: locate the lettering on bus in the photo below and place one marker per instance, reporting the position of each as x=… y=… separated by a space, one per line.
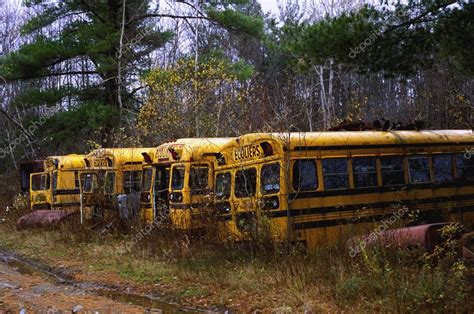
x=100 y=163
x=162 y=154
x=248 y=152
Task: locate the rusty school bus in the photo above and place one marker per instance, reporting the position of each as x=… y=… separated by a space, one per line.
x=58 y=186
x=111 y=182
x=191 y=180
x=315 y=187
x=154 y=199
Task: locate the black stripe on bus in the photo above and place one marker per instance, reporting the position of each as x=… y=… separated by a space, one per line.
x=373 y=218
x=70 y=204
x=368 y=146
x=377 y=189
x=66 y=191
x=349 y=208
x=188 y=206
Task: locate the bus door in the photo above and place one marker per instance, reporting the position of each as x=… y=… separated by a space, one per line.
x=91 y=194
x=245 y=198
x=200 y=187
x=129 y=200
x=160 y=191
x=40 y=191
x=109 y=190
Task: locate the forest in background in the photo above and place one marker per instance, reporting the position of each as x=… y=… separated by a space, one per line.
x=81 y=74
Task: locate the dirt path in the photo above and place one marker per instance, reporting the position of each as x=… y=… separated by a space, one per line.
x=23 y=287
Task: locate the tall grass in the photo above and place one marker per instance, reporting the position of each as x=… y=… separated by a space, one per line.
x=249 y=276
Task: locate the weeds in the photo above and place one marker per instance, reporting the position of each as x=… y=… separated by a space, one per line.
x=253 y=275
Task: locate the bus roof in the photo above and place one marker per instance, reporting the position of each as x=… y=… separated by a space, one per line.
x=65 y=162
x=116 y=156
x=299 y=140
x=186 y=149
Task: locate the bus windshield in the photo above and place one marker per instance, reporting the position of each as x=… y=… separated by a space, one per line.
x=177 y=178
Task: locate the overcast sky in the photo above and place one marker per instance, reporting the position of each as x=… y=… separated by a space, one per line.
x=269 y=5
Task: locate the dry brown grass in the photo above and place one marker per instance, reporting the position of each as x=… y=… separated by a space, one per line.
x=195 y=271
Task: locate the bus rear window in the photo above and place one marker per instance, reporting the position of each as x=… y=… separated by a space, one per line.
x=109 y=183
x=90 y=183
x=270 y=179
x=335 y=173
x=131 y=181
x=223 y=183
x=40 y=182
x=198 y=179
x=162 y=179
x=245 y=182
x=419 y=169
x=146 y=181
x=177 y=178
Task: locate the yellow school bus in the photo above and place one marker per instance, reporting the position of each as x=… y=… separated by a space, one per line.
x=315 y=187
x=111 y=182
x=58 y=186
x=191 y=180
x=154 y=199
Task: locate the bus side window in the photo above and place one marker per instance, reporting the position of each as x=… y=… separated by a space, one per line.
x=442 y=168
x=465 y=167
x=392 y=170
x=335 y=173
x=419 y=169
x=199 y=179
x=305 y=176
x=270 y=179
x=365 y=172
x=109 y=183
x=131 y=181
x=223 y=184
x=245 y=182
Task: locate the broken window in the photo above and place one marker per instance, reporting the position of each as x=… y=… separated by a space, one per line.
x=442 y=168
x=199 y=179
x=392 y=170
x=245 y=182
x=419 y=169
x=270 y=179
x=365 y=172
x=131 y=181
